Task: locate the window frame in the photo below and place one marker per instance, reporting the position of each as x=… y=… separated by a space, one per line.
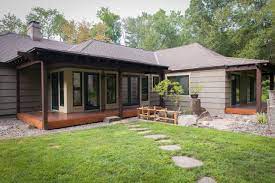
x=61 y=85
x=142 y=77
x=181 y=74
x=129 y=102
x=116 y=87
x=153 y=81
x=79 y=88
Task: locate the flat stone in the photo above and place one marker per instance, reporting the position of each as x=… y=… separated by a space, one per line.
x=139 y=129
x=187 y=120
x=186 y=162
x=111 y=119
x=144 y=132
x=134 y=126
x=165 y=141
x=156 y=136
x=206 y=180
x=170 y=147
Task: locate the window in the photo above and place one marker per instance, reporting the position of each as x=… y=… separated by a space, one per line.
x=155 y=80
x=77 y=88
x=61 y=88
x=130 y=87
x=183 y=80
x=144 y=88
x=91 y=91
x=111 y=88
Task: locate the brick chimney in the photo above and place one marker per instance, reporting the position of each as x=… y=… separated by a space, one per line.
x=34 y=31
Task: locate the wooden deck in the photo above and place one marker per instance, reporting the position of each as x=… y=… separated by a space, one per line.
x=60 y=120
x=245 y=109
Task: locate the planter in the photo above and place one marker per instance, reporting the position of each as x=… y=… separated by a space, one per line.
x=194 y=95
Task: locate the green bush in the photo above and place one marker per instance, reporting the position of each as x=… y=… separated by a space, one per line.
x=262 y=118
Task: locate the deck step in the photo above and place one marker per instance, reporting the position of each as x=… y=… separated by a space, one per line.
x=111 y=119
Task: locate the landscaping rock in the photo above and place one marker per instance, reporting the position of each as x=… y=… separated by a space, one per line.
x=170 y=147
x=139 y=129
x=134 y=126
x=156 y=136
x=206 y=180
x=187 y=120
x=186 y=162
x=111 y=119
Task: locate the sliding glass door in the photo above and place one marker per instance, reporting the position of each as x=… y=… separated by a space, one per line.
x=91 y=91
x=130 y=89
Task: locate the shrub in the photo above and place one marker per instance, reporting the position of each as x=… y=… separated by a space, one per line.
x=262 y=118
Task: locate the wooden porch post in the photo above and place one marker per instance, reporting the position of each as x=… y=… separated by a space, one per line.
x=271 y=79
x=161 y=100
x=17 y=91
x=258 y=89
x=44 y=95
x=120 y=103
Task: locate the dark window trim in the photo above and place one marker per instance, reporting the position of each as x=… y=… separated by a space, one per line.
x=154 y=76
x=183 y=75
x=61 y=85
x=78 y=88
x=142 y=77
x=115 y=76
x=86 y=107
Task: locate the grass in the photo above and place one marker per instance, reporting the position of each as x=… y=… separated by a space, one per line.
x=116 y=154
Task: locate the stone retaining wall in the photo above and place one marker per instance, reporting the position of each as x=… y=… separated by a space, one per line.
x=271 y=110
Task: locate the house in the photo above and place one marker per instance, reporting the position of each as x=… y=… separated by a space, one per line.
x=51 y=84
x=229 y=85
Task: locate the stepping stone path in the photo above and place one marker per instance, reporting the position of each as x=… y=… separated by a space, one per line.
x=134 y=126
x=156 y=136
x=206 y=180
x=186 y=162
x=170 y=147
x=139 y=129
x=144 y=132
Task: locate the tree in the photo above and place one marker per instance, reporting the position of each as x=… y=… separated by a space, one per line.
x=69 y=29
x=99 y=32
x=83 y=31
x=51 y=21
x=10 y=23
x=112 y=23
x=157 y=31
x=170 y=89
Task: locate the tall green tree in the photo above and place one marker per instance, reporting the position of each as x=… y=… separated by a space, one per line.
x=157 y=31
x=231 y=27
x=10 y=23
x=112 y=22
x=51 y=21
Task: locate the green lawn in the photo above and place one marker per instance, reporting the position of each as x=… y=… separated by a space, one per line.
x=116 y=154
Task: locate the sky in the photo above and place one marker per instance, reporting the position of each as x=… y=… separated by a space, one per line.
x=86 y=9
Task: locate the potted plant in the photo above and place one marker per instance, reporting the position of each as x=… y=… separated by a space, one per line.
x=196 y=89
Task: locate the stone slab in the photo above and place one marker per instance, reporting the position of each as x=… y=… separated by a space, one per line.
x=206 y=180
x=156 y=136
x=111 y=119
x=170 y=147
x=186 y=162
x=133 y=126
x=165 y=141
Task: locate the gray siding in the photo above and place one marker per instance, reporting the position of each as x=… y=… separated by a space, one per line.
x=30 y=93
x=7 y=90
x=215 y=94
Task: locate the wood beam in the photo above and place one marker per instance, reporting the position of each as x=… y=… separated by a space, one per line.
x=27 y=64
x=120 y=102
x=44 y=95
x=241 y=68
x=271 y=79
x=258 y=89
x=17 y=91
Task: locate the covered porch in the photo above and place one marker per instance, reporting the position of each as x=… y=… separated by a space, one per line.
x=58 y=89
x=245 y=88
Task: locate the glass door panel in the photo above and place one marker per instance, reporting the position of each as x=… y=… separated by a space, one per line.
x=91 y=91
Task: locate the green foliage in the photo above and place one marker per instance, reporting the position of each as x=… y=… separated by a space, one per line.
x=156 y=31
x=51 y=21
x=112 y=23
x=197 y=88
x=10 y=23
x=262 y=118
x=265 y=89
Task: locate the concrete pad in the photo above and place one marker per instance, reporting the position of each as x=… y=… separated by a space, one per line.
x=144 y=132
x=206 y=180
x=156 y=136
x=165 y=141
x=139 y=129
x=186 y=162
x=170 y=147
